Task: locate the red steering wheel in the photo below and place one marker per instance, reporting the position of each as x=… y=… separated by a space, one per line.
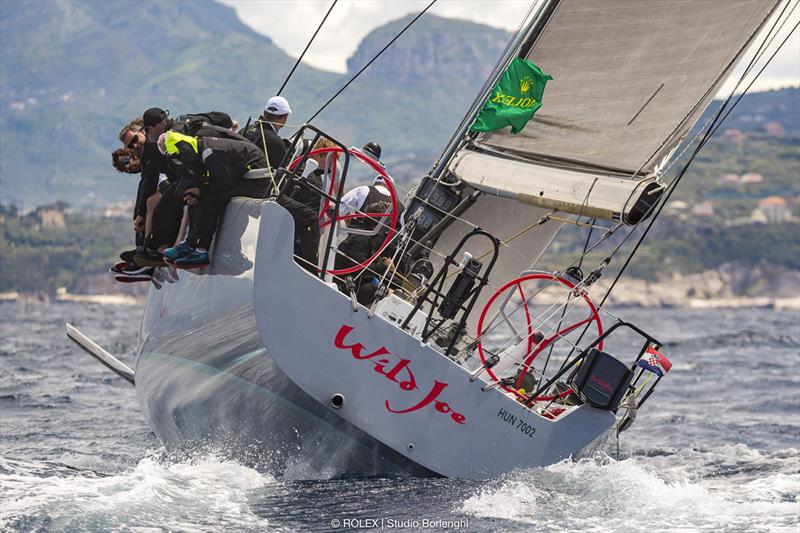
x=387 y=181
x=533 y=348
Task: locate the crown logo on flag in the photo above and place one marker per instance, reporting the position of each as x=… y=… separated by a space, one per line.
x=525 y=84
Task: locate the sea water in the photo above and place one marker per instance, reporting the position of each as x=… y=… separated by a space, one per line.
x=714 y=449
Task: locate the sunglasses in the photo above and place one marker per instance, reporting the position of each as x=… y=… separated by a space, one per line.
x=134 y=142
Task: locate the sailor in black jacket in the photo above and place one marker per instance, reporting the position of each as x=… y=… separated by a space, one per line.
x=167 y=212
x=211 y=171
x=264 y=132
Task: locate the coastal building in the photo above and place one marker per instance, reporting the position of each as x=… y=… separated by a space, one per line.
x=728 y=179
x=772 y=210
x=703 y=209
x=751 y=177
x=121 y=209
x=736 y=135
x=678 y=209
x=51 y=218
x=774 y=128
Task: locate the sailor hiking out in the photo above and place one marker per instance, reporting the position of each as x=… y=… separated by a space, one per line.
x=211 y=171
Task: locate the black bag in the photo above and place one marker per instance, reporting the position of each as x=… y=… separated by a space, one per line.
x=190 y=124
x=602 y=380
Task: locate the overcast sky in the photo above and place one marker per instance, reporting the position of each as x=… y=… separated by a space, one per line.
x=290 y=23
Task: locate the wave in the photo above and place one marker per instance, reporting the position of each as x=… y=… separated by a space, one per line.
x=672 y=492
x=198 y=494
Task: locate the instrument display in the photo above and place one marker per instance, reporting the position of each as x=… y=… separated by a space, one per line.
x=439 y=199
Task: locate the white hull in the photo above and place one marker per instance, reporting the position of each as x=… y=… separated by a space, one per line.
x=246 y=361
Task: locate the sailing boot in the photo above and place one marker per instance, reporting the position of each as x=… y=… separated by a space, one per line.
x=180 y=250
x=196 y=259
x=149 y=258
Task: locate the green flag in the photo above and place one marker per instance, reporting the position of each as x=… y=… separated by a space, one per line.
x=516 y=98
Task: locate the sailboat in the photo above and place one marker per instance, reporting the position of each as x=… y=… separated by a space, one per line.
x=472 y=361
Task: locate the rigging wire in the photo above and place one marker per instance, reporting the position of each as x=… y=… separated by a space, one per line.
x=357 y=74
x=564 y=310
x=299 y=59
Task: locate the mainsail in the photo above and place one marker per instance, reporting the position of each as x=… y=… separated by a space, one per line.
x=630 y=78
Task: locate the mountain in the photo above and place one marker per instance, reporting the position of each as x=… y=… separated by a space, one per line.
x=75 y=71
x=415 y=94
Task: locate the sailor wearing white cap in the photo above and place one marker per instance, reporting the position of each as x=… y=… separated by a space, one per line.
x=264 y=132
x=277 y=105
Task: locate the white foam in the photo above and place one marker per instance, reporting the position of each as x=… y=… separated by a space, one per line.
x=189 y=495
x=636 y=494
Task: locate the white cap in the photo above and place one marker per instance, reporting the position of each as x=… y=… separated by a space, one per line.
x=277 y=105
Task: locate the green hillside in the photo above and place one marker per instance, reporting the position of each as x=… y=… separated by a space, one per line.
x=90 y=66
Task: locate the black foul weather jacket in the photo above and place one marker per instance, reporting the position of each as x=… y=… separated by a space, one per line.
x=154 y=163
x=276 y=148
x=226 y=161
x=223 y=162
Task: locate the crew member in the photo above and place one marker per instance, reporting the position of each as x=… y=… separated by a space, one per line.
x=166 y=205
x=126 y=161
x=264 y=131
x=212 y=172
x=304 y=201
x=133 y=139
x=354 y=200
x=157 y=121
x=154 y=177
x=356 y=249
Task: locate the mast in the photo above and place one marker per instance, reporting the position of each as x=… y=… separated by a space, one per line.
x=526 y=35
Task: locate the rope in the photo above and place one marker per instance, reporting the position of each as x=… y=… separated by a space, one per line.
x=266 y=157
x=357 y=74
x=299 y=59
